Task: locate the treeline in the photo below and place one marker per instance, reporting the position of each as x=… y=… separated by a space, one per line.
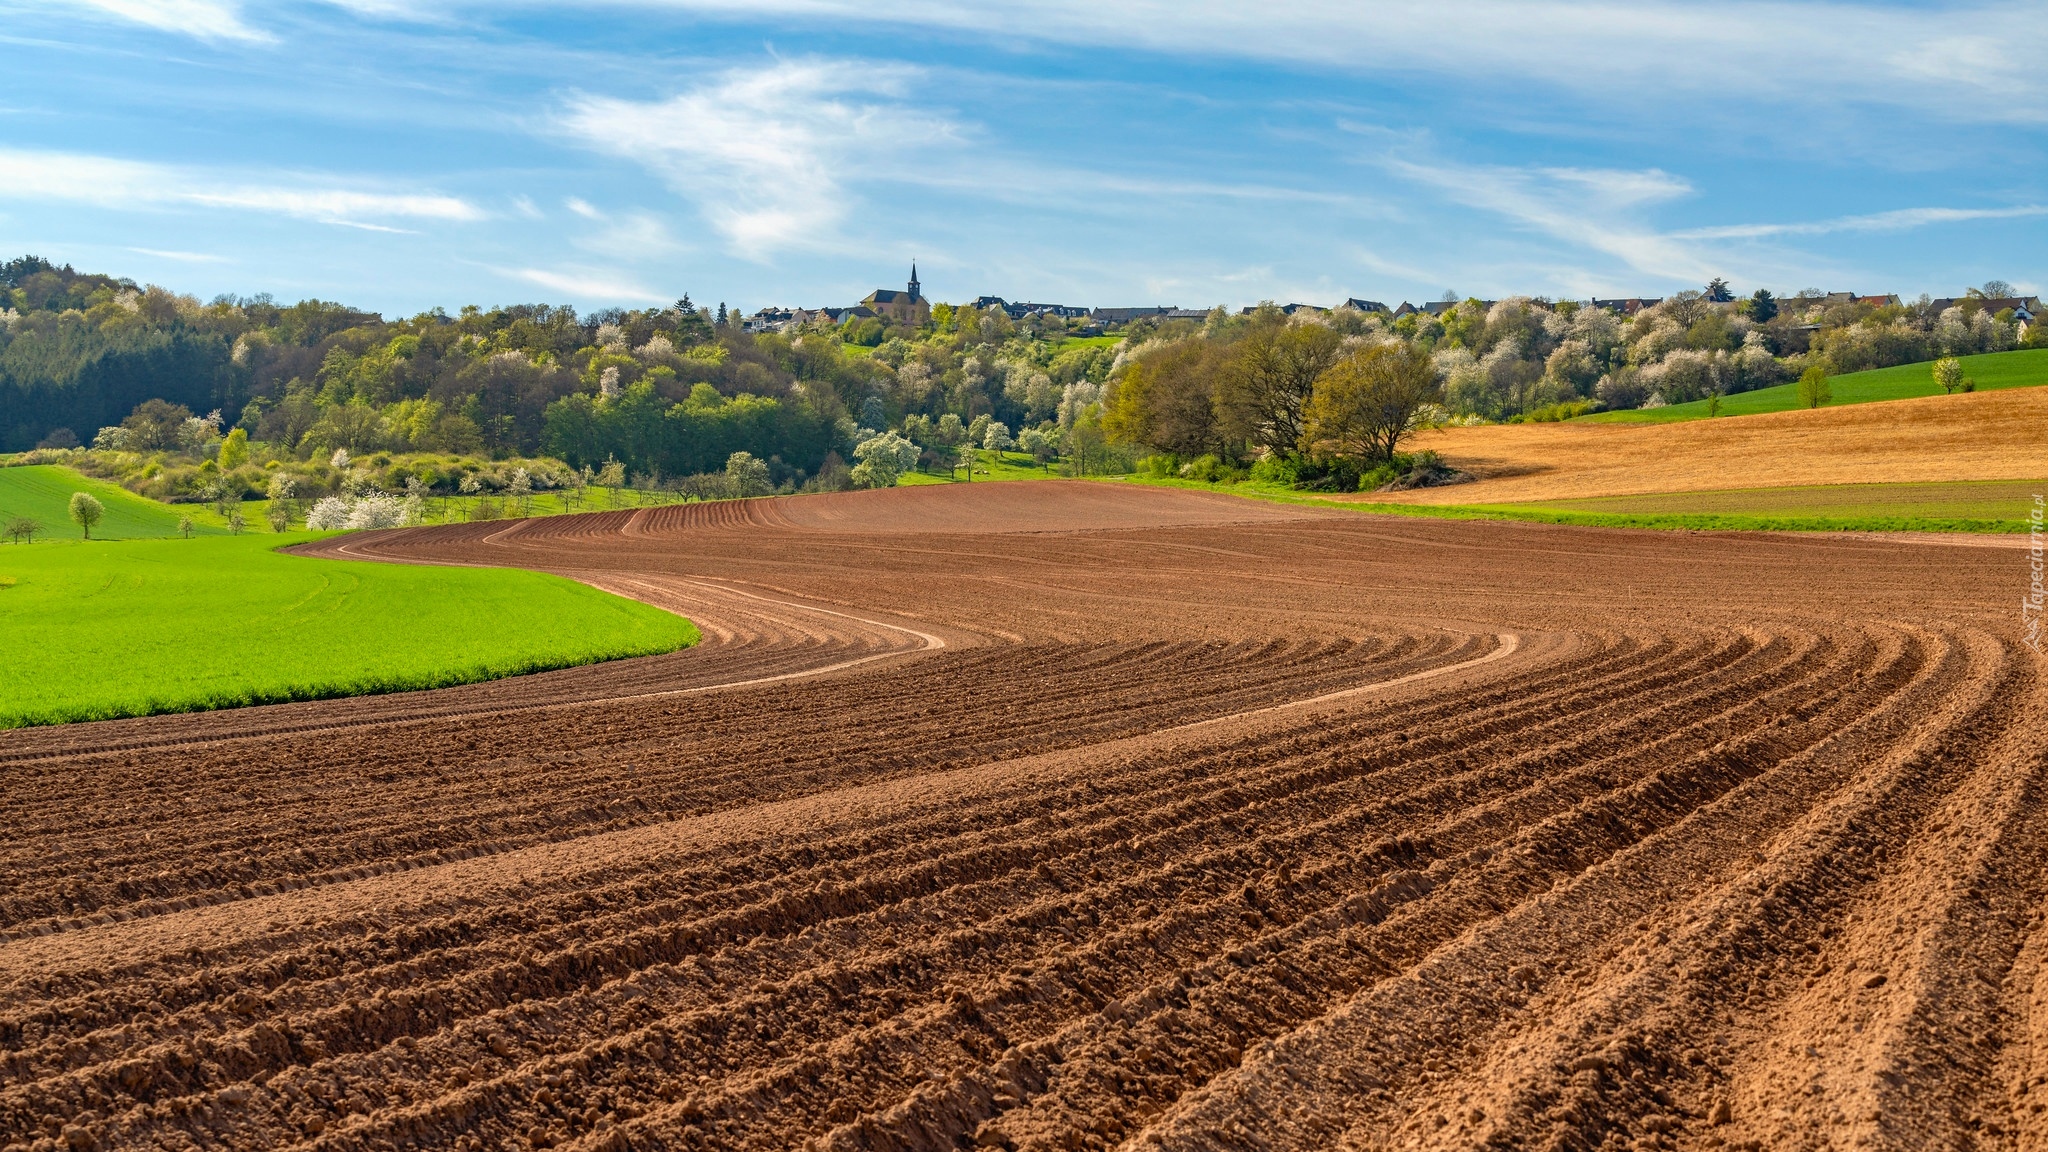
x=666 y=392
x=1237 y=386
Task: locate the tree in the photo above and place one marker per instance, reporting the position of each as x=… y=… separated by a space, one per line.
x=1266 y=384
x=22 y=530
x=883 y=459
x=185 y=527
x=997 y=438
x=1365 y=404
x=1687 y=308
x=1948 y=372
x=1036 y=442
x=747 y=475
x=1763 y=307
x=86 y=511
x=155 y=425
x=1997 y=290
x=1813 y=387
x=1717 y=291
x=1166 y=399
x=234 y=451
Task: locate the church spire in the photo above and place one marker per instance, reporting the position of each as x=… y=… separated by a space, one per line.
x=913 y=280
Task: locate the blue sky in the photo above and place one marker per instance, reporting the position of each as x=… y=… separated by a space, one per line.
x=402 y=154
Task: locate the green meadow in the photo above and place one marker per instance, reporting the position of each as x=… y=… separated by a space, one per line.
x=133 y=628
x=2023 y=368
x=43 y=493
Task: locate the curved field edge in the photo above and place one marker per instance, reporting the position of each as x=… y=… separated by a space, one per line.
x=1992 y=371
x=99 y=629
x=1664 y=521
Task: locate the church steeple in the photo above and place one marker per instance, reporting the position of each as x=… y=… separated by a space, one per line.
x=913 y=281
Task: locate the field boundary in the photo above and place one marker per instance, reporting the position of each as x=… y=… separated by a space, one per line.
x=1669 y=522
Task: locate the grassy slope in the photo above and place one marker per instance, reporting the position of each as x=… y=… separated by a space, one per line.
x=989 y=466
x=2018 y=369
x=43 y=492
x=1958 y=507
x=98 y=630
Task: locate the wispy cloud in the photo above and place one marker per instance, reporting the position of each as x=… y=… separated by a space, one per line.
x=1898 y=220
x=182 y=257
x=771 y=154
x=1976 y=61
x=107 y=182
x=585 y=284
x=582 y=208
x=203 y=19
x=1598 y=209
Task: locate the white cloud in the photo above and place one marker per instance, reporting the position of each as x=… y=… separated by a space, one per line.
x=127 y=184
x=1599 y=209
x=770 y=155
x=182 y=257
x=203 y=19
x=585 y=283
x=1898 y=220
x=1976 y=62
x=582 y=208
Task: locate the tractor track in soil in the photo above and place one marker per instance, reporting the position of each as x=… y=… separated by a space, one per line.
x=1063 y=816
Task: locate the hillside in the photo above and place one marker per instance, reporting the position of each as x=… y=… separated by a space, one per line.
x=1979 y=436
x=1992 y=371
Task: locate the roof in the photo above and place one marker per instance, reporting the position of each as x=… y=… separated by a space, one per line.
x=891 y=296
x=1357 y=305
x=1126 y=315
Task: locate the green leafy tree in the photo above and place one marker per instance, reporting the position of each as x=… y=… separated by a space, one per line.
x=1813 y=387
x=1763 y=307
x=1365 y=403
x=1948 y=372
x=185 y=527
x=234 y=451
x=86 y=511
x=747 y=475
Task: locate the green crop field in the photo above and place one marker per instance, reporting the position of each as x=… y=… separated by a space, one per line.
x=43 y=493
x=1989 y=506
x=2018 y=369
x=131 y=628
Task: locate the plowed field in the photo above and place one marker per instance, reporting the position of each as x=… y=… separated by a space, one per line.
x=1063 y=816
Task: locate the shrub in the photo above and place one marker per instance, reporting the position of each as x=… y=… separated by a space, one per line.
x=1205 y=468
x=1277 y=470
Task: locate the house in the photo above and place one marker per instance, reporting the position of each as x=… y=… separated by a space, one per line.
x=1287 y=309
x=1021 y=310
x=1110 y=317
x=1890 y=301
x=1628 y=306
x=2025 y=309
x=908 y=308
x=1357 y=305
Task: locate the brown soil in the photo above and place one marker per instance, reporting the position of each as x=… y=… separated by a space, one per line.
x=1999 y=435
x=1066 y=816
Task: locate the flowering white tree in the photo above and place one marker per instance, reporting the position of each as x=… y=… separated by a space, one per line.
x=747 y=475
x=340 y=460
x=328 y=515
x=882 y=460
x=997 y=438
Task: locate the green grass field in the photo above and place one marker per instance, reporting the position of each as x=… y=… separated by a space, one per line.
x=1991 y=506
x=43 y=493
x=989 y=466
x=2023 y=368
x=132 y=628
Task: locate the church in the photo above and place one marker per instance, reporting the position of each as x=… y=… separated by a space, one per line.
x=908 y=308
